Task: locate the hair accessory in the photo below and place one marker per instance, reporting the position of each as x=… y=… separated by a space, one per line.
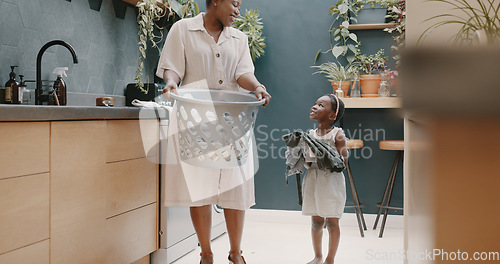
x=336 y=100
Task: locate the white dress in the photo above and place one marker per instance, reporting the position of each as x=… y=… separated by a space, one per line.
x=324 y=192
x=195 y=56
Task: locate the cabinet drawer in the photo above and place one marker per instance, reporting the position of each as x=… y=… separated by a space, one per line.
x=24 y=211
x=130 y=184
x=132 y=235
x=131 y=139
x=36 y=253
x=24 y=148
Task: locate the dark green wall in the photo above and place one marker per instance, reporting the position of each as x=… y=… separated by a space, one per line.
x=295 y=30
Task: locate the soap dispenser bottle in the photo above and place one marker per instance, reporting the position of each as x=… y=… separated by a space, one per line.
x=60 y=85
x=10 y=86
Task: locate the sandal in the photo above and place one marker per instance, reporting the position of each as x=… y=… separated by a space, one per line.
x=205 y=254
x=235 y=252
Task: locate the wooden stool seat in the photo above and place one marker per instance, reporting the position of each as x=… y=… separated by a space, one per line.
x=354 y=144
x=392 y=145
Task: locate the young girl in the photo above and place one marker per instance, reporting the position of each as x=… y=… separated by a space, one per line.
x=324 y=191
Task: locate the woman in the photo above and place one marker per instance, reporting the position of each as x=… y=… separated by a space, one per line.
x=206 y=47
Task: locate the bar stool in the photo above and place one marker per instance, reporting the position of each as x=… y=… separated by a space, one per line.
x=385 y=204
x=355 y=144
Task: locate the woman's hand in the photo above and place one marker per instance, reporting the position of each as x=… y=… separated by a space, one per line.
x=261 y=93
x=171 y=80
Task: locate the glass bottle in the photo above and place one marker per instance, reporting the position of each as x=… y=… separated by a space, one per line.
x=383 y=88
x=355 y=88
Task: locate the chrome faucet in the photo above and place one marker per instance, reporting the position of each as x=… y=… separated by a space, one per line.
x=39 y=98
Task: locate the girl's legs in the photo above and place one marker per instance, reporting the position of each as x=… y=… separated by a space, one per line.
x=334 y=234
x=317 y=236
x=234 y=222
x=202 y=221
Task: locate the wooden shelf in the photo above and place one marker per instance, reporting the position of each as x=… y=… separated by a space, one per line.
x=372 y=102
x=371 y=26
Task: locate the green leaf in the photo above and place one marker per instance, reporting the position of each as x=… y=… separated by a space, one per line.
x=337 y=51
x=196 y=8
x=350 y=59
x=353 y=37
x=352 y=48
x=343 y=8
x=317 y=55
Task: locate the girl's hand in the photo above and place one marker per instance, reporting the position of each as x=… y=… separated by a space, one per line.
x=170 y=86
x=261 y=93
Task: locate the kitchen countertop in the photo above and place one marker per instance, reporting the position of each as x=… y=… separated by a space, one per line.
x=67 y=113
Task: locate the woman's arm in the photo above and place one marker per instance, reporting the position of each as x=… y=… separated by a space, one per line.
x=340 y=144
x=249 y=82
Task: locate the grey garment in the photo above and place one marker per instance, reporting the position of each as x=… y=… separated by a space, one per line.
x=295 y=159
x=327 y=157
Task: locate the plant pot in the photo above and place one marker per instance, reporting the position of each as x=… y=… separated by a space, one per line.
x=369 y=85
x=369 y=15
x=344 y=87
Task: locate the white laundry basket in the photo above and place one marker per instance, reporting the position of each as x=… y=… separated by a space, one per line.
x=215 y=126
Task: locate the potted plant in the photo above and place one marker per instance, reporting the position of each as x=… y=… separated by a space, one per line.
x=344 y=13
x=150 y=12
x=478 y=20
x=338 y=75
x=251 y=25
x=368 y=65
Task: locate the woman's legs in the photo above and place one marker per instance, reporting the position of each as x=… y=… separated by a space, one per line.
x=234 y=222
x=334 y=234
x=317 y=236
x=201 y=217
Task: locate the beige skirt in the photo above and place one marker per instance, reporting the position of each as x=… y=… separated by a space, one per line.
x=188 y=185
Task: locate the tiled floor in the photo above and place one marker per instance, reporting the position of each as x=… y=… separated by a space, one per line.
x=283 y=237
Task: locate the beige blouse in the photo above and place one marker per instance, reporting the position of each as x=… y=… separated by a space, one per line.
x=194 y=55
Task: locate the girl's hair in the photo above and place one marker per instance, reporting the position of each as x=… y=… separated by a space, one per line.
x=209 y=2
x=341 y=107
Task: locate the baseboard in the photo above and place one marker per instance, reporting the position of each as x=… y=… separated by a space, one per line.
x=296 y=217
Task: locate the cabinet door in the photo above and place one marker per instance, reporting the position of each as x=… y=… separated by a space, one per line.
x=78 y=199
x=132 y=139
x=130 y=184
x=24 y=211
x=24 y=148
x=132 y=235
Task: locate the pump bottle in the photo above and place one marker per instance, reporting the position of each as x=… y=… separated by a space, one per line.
x=10 y=88
x=60 y=85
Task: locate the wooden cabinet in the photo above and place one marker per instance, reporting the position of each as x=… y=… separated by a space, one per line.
x=78 y=191
x=24 y=191
x=131 y=189
x=24 y=148
x=78 y=199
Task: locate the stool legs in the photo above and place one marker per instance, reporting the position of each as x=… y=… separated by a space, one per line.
x=357 y=206
x=386 y=198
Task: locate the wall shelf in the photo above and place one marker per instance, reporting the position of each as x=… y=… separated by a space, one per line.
x=372 y=102
x=371 y=26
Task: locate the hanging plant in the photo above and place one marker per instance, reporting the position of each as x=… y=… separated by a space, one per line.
x=251 y=25
x=150 y=12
